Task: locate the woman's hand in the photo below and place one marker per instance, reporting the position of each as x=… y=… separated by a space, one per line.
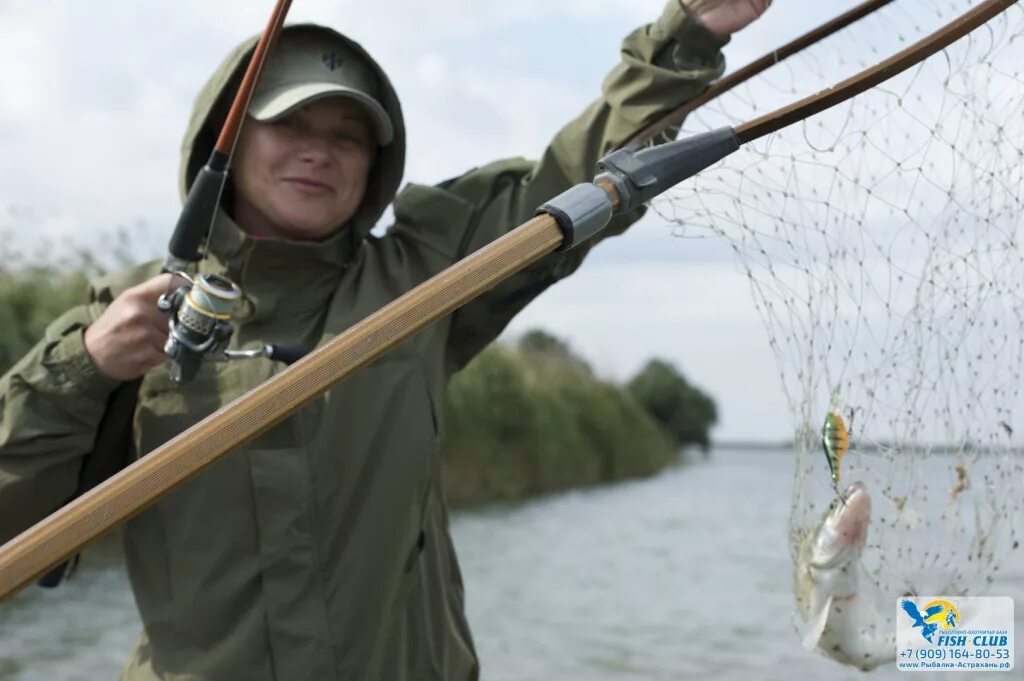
x=725 y=17
x=128 y=338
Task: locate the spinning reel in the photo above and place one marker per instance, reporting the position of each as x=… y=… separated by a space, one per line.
x=200 y=326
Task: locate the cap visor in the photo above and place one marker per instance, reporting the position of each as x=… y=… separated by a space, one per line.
x=273 y=104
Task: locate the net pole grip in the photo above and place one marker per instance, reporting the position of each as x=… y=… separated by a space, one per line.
x=639 y=176
x=581 y=212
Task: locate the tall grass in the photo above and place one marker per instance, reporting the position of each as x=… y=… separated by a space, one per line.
x=520 y=424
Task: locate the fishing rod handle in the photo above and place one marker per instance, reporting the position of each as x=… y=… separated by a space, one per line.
x=197 y=214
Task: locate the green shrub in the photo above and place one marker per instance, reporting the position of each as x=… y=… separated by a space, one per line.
x=685 y=412
x=521 y=423
x=37 y=288
x=30 y=298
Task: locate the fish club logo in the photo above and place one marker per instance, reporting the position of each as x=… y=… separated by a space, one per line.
x=937 y=615
x=331 y=60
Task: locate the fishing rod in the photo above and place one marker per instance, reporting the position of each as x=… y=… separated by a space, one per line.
x=628 y=179
x=200 y=310
x=200 y=208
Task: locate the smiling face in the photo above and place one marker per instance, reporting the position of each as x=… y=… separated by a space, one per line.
x=303 y=175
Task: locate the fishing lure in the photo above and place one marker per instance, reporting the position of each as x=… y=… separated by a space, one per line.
x=835 y=438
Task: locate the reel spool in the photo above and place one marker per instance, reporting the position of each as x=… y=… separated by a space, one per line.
x=200 y=322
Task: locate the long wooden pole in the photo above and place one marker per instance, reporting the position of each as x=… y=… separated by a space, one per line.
x=146 y=481
x=150 y=478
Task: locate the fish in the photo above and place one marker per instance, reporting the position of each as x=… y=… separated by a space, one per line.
x=833 y=591
x=835 y=439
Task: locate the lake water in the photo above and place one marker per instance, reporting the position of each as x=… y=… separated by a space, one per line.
x=684 y=575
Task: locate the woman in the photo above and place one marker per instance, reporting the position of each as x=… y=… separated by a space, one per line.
x=321 y=549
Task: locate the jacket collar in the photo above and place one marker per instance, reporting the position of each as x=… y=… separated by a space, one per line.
x=233 y=247
x=285 y=284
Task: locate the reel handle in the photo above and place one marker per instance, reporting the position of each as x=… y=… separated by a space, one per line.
x=289 y=354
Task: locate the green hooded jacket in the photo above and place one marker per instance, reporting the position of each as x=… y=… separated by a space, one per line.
x=321 y=549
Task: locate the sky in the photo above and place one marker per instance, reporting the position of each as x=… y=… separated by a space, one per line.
x=97 y=95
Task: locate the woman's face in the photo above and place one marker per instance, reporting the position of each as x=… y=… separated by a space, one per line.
x=303 y=176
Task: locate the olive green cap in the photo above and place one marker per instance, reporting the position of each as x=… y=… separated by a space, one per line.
x=305 y=67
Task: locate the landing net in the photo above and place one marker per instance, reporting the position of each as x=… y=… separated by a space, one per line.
x=884 y=248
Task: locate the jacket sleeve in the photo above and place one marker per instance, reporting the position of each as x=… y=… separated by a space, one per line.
x=663 y=65
x=51 y=403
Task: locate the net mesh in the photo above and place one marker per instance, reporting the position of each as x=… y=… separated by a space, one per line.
x=882 y=243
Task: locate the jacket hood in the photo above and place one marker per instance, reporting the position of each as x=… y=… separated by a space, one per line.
x=214 y=100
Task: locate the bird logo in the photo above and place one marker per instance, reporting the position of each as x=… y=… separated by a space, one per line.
x=938 y=614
